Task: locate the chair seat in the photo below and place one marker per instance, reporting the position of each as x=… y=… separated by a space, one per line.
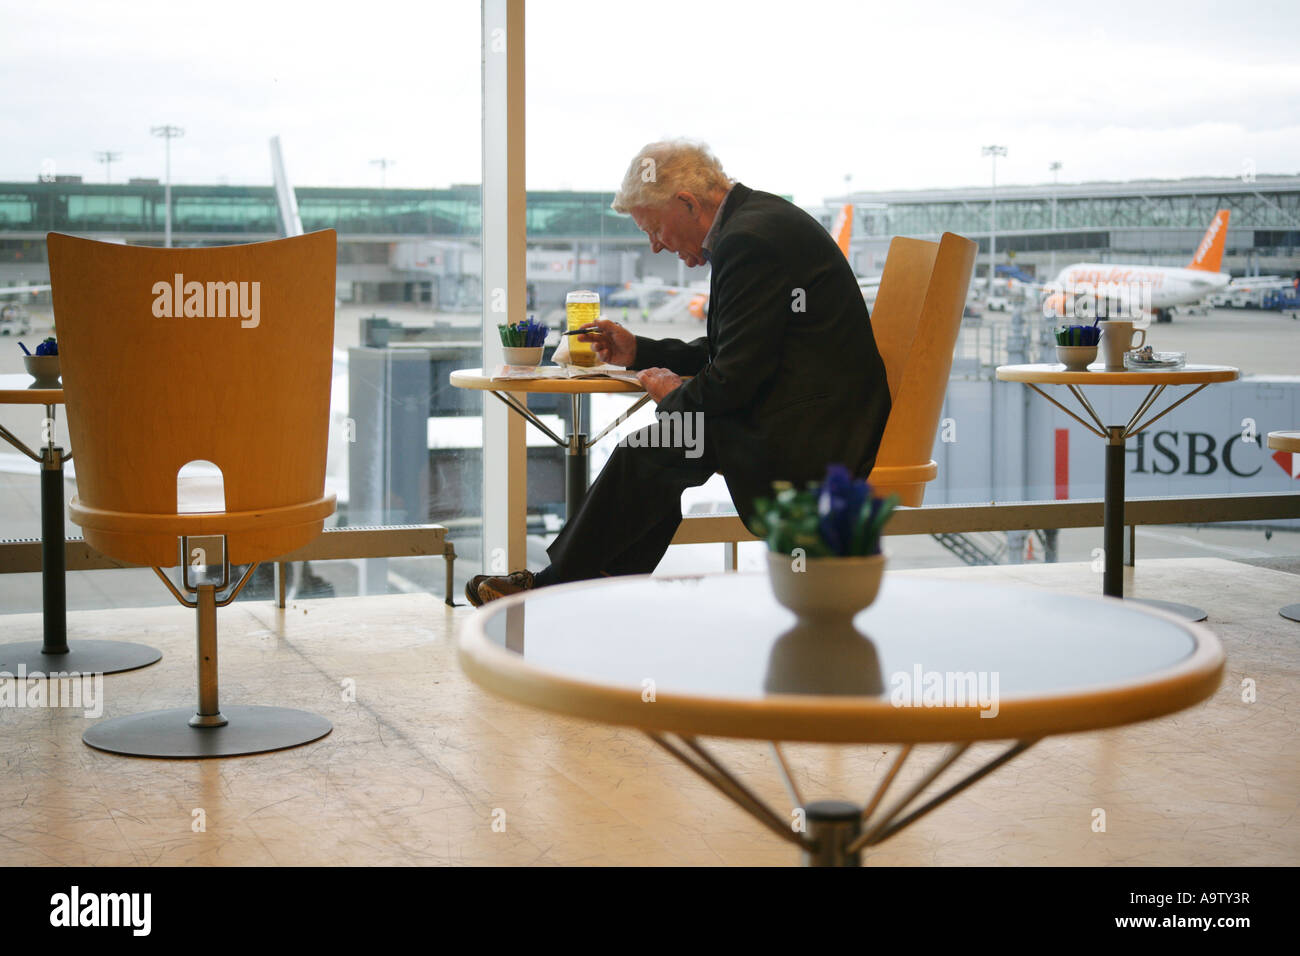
x=906 y=481
x=150 y=539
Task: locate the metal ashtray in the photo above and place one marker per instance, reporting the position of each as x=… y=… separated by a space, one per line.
x=1146 y=359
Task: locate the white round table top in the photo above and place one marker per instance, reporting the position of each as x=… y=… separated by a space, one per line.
x=475 y=378
x=17 y=390
x=716 y=655
x=1056 y=374
x=1284 y=441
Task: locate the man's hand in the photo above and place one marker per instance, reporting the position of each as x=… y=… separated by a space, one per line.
x=614 y=345
x=658 y=382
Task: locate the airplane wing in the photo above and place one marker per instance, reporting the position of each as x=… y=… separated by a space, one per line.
x=23 y=289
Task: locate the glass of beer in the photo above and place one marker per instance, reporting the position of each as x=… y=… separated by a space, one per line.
x=581 y=308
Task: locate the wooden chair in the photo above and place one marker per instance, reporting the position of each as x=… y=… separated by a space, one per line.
x=219 y=355
x=915 y=320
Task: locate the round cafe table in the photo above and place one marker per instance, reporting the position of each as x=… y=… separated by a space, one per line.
x=715 y=655
x=52 y=654
x=1287 y=442
x=576 y=444
x=1115 y=437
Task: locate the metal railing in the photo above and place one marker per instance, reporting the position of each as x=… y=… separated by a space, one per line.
x=982 y=345
x=393 y=541
x=1027 y=516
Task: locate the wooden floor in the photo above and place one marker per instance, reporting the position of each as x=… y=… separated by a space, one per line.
x=421 y=762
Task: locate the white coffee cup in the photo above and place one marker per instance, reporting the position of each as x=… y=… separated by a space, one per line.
x=1116 y=339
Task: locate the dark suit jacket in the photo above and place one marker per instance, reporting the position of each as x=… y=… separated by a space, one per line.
x=788 y=375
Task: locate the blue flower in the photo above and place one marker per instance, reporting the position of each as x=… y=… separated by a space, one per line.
x=838 y=506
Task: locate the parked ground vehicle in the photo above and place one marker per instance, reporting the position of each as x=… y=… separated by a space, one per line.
x=1283 y=300
x=14 y=320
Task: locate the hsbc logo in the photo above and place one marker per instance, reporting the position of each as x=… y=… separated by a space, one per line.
x=1194 y=454
x=1289 y=462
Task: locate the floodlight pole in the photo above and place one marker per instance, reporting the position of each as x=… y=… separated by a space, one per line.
x=1055 y=167
x=168 y=133
x=995 y=152
x=383 y=165
x=108 y=158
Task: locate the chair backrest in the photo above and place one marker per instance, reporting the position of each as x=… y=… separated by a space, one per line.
x=220 y=354
x=915 y=321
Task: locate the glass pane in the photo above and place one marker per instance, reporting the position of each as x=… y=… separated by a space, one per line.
x=395 y=175
x=912 y=165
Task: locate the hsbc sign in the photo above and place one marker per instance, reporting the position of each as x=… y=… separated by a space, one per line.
x=1215 y=443
x=1193 y=454
x=1288 y=462
x=1005 y=444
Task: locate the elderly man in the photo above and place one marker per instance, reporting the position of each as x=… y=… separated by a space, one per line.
x=786 y=381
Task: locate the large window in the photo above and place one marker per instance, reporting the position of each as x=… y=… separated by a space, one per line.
x=378 y=114
x=843 y=102
x=377 y=111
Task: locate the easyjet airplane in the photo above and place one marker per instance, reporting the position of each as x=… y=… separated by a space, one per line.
x=841 y=232
x=1115 y=287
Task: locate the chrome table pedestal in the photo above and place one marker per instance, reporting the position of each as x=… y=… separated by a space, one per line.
x=52 y=654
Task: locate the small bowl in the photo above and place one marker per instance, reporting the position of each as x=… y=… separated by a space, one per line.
x=1076 y=358
x=43 y=368
x=523 y=356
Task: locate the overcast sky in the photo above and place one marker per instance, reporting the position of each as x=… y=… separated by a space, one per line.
x=793 y=96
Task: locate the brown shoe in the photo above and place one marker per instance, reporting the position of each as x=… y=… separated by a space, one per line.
x=471 y=589
x=487 y=587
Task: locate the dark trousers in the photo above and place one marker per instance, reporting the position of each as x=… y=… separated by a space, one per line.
x=631 y=511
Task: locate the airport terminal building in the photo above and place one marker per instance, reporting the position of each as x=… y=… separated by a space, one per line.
x=1043 y=228
x=395 y=245
x=422 y=245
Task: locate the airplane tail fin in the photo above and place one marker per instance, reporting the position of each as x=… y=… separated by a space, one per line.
x=842 y=231
x=1209 y=254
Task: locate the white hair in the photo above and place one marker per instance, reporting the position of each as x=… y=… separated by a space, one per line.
x=661 y=170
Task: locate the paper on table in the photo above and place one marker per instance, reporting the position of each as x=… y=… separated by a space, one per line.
x=603 y=371
x=510 y=373
x=514 y=373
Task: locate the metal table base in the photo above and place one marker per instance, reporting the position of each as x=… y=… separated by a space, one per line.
x=1115 y=437
x=52 y=654
x=833 y=832
x=576 y=444
x=171 y=734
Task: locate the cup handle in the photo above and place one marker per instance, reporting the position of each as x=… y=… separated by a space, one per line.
x=1142 y=341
